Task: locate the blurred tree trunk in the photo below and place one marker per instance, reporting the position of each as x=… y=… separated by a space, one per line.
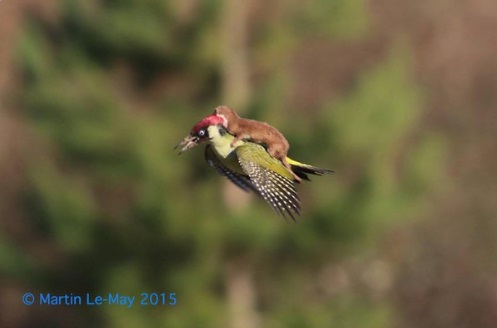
x=236 y=93
x=235 y=78
x=11 y=17
x=234 y=61
x=241 y=295
x=10 y=20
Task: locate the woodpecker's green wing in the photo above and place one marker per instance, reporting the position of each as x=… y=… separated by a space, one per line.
x=273 y=182
x=238 y=179
x=277 y=191
x=249 y=166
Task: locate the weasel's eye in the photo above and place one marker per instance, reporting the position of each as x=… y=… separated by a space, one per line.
x=201 y=133
x=222 y=131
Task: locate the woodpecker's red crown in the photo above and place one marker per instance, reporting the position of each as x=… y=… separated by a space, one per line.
x=205 y=123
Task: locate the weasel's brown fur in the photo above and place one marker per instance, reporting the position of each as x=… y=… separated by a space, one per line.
x=256 y=131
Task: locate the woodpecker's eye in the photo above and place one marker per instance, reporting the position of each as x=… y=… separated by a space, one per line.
x=201 y=133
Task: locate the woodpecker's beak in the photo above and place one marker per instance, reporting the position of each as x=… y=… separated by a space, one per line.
x=187 y=143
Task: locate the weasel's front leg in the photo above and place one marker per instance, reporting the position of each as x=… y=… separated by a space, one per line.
x=237 y=138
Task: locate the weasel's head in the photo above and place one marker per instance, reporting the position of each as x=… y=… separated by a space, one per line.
x=227 y=114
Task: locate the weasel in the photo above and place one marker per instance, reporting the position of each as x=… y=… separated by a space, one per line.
x=256 y=131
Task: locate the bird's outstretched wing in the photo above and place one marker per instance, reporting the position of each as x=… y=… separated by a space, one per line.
x=242 y=181
x=277 y=191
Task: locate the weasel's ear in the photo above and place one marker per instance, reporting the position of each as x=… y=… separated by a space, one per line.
x=216 y=110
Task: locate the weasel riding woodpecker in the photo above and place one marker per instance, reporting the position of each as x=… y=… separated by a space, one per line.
x=256 y=131
x=249 y=165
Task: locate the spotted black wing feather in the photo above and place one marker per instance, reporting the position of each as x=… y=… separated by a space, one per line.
x=277 y=191
x=243 y=182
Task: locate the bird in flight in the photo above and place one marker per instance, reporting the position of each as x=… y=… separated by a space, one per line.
x=250 y=166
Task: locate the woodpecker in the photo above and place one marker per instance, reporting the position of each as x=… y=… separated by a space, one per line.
x=256 y=131
x=249 y=166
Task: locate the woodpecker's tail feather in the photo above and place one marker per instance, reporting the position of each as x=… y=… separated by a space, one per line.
x=301 y=169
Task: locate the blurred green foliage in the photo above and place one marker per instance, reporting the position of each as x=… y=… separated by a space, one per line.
x=128 y=215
